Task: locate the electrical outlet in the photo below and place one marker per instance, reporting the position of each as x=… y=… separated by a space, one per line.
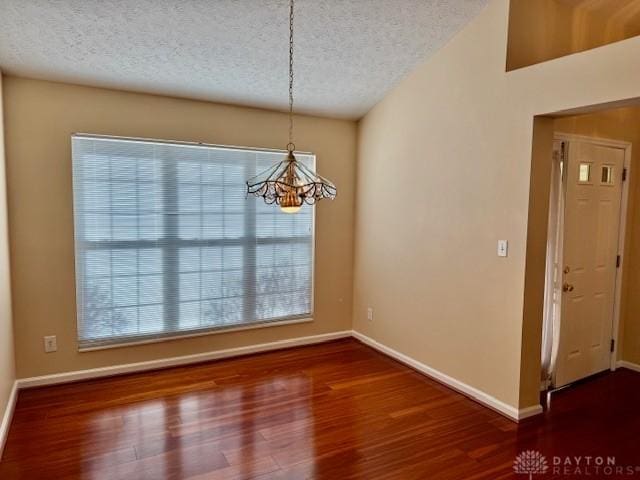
x=370 y=314
x=50 y=344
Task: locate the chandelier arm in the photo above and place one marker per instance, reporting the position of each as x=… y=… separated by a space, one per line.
x=327 y=183
x=309 y=174
x=270 y=174
x=263 y=175
x=276 y=173
x=314 y=176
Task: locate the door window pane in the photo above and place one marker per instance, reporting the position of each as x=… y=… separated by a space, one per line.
x=607 y=174
x=584 y=173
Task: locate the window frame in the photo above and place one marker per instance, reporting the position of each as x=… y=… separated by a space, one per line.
x=147 y=338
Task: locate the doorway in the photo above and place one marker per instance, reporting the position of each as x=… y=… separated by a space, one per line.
x=588 y=203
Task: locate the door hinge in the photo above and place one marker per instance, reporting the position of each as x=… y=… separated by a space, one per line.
x=624 y=174
x=618 y=261
x=613 y=345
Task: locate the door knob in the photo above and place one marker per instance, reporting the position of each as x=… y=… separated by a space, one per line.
x=567 y=287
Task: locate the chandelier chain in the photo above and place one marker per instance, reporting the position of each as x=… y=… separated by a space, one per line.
x=291 y=145
x=290 y=184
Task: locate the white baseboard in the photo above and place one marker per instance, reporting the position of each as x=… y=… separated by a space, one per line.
x=485 y=399
x=531 y=411
x=631 y=366
x=176 y=361
x=8 y=416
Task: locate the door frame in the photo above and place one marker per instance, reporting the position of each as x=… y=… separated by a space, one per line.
x=624 y=205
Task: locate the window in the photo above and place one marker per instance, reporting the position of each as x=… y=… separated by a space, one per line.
x=607 y=174
x=584 y=173
x=167 y=242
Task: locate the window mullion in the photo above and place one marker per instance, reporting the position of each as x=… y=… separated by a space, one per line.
x=250 y=252
x=170 y=248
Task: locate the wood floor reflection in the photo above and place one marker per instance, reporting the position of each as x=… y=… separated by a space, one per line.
x=337 y=410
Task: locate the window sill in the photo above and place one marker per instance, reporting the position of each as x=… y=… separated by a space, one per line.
x=254 y=326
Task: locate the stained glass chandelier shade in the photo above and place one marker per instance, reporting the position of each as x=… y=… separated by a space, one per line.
x=290 y=184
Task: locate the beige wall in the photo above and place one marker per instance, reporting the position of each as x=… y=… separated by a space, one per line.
x=444 y=171
x=41 y=116
x=621 y=124
x=541 y=30
x=7 y=366
x=444 y=166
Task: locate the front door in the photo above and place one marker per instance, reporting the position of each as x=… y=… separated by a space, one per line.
x=593 y=182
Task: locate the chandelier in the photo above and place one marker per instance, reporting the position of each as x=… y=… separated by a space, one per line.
x=289 y=183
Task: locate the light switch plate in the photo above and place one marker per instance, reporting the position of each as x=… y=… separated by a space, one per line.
x=50 y=344
x=503 y=248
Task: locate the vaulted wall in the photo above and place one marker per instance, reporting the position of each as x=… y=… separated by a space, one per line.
x=444 y=172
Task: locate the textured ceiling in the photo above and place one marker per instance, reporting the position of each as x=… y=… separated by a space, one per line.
x=348 y=53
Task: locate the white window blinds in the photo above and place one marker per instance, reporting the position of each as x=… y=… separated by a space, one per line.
x=167 y=242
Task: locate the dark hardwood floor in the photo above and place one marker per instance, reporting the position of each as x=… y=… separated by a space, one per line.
x=337 y=410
